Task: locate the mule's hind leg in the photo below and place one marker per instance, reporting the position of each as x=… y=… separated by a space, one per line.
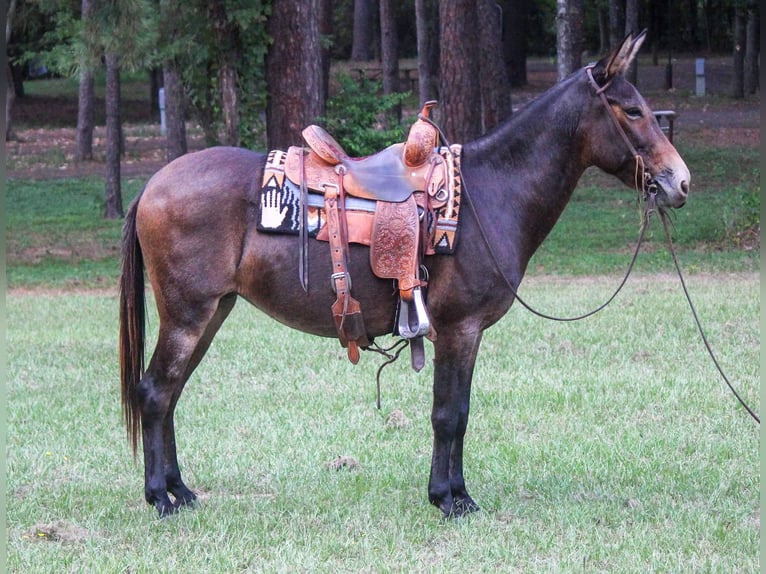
x=180 y=346
x=175 y=485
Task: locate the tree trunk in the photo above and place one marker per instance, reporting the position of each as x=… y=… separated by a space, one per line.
x=423 y=18
x=616 y=23
x=753 y=49
x=389 y=51
x=175 y=123
x=156 y=82
x=362 y=36
x=460 y=92
x=515 y=41
x=227 y=47
x=325 y=36
x=631 y=27
x=10 y=97
x=740 y=38
x=293 y=71
x=86 y=104
x=570 y=26
x=113 y=194
x=563 y=40
x=495 y=87
x=603 y=30
x=10 y=88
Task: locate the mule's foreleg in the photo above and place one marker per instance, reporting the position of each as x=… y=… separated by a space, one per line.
x=453 y=370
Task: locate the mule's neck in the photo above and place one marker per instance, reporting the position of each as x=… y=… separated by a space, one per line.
x=529 y=166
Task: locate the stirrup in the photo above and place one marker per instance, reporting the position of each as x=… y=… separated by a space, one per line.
x=413 y=321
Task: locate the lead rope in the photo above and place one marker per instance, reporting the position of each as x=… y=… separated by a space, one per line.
x=672 y=250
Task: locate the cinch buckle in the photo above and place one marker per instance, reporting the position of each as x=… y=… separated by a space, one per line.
x=340 y=275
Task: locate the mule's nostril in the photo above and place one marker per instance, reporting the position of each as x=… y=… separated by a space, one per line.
x=685 y=187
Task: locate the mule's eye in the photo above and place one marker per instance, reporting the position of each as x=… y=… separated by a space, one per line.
x=634 y=113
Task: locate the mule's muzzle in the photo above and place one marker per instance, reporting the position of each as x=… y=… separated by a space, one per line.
x=670 y=194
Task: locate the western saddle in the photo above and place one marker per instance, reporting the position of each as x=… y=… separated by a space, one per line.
x=406 y=181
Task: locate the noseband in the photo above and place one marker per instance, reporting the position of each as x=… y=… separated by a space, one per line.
x=643 y=179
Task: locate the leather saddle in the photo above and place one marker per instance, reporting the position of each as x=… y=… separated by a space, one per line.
x=404 y=183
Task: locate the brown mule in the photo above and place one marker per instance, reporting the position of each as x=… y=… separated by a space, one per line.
x=193 y=229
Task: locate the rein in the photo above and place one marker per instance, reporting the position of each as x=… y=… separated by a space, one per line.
x=672 y=250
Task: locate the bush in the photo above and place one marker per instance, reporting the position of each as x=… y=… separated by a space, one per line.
x=356 y=116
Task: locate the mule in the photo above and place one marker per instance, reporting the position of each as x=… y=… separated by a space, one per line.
x=193 y=230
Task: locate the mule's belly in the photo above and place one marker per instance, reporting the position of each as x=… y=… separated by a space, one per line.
x=268 y=278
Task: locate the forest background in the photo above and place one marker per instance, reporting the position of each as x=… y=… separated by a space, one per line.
x=254 y=73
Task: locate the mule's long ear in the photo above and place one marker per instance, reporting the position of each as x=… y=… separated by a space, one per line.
x=620 y=59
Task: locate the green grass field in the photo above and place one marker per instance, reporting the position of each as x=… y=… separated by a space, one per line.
x=608 y=445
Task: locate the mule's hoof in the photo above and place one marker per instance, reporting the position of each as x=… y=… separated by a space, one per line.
x=165 y=508
x=188 y=500
x=461 y=507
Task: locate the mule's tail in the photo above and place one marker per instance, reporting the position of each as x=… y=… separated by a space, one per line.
x=132 y=325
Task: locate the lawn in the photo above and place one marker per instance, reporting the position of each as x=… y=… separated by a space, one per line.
x=608 y=445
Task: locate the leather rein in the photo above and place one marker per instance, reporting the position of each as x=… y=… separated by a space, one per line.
x=647 y=191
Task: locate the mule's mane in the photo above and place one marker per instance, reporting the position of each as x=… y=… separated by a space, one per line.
x=552 y=112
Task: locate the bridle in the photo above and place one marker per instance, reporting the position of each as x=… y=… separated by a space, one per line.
x=643 y=179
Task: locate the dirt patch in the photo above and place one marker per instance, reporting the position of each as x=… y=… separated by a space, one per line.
x=59 y=531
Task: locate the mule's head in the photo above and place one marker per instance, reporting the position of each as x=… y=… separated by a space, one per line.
x=622 y=126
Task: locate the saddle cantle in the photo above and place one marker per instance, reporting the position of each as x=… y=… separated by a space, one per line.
x=389 y=201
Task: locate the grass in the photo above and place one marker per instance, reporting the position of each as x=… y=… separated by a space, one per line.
x=608 y=445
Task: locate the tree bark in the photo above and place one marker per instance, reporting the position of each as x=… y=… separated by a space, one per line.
x=86 y=104
x=10 y=88
x=389 y=51
x=226 y=37
x=753 y=49
x=631 y=27
x=325 y=35
x=514 y=41
x=563 y=41
x=740 y=37
x=113 y=193
x=175 y=124
x=570 y=26
x=425 y=39
x=495 y=87
x=362 y=36
x=293 y=69
x=458 y=57
x=10 y=98
x=616 y=23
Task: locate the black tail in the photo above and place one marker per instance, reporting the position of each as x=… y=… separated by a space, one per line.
x=132 y=325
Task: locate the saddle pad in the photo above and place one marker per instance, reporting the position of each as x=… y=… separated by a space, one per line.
x=279 y=202
x=279 y=206
x=447 y=217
